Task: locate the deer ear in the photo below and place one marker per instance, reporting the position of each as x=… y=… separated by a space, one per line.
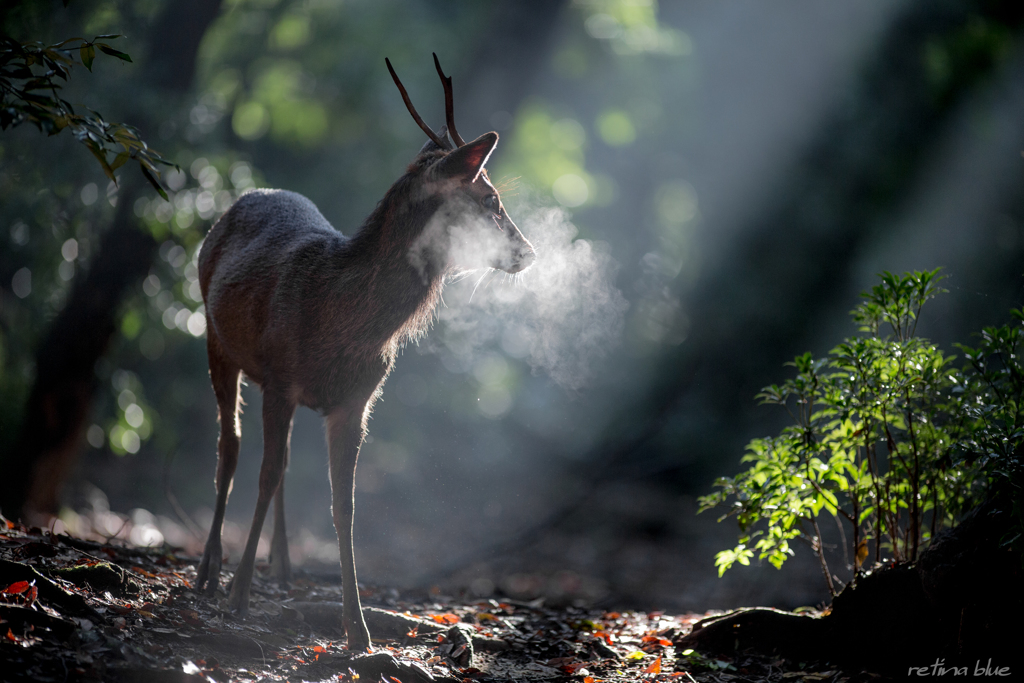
x=467 y=161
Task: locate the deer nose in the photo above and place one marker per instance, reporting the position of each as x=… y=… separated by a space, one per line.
x=522 y=259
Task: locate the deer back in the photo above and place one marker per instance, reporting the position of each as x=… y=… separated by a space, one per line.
x=291 y=300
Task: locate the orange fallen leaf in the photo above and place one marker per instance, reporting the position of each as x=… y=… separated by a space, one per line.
x=11 y=637
x=446 y=618
x=16 y=588
x=650 y=640
x=319 y=648
x=413 y=632
x=567 y=664
x=654 y=668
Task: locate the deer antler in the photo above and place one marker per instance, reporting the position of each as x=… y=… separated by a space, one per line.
x=449 y=103
x=412 y=110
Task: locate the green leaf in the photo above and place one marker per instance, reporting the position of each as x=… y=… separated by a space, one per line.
x=154 y=182
x=97 y=152
x=119 y=160
x=123 y=56
x=87 y=53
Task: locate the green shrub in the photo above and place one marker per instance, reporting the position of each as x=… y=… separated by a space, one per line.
x=890 y=438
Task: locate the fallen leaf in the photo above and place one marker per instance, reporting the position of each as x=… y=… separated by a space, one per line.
x=651 y=640
x=191 y=617
x=447 y=618
x=16 y=588
x=654 y=668
x=635 y=655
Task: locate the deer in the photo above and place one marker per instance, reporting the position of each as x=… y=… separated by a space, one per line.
x=316 y=319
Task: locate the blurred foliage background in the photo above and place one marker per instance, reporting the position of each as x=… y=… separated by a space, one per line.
x=743 y=170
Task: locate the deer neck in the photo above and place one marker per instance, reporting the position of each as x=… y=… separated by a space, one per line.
x=399 y=281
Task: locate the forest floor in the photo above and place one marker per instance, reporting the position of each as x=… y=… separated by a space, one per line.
x=77 y=610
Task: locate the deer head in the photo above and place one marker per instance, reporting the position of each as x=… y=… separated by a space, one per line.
x=470 y=228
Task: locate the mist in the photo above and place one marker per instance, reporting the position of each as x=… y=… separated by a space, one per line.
x=561 y=316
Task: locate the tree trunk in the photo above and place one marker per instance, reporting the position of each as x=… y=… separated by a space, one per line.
x=62 y=394
x=58 y=406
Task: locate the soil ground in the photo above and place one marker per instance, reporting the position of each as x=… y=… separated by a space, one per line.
x=77 y=610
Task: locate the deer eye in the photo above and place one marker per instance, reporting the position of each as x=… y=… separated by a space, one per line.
x=490 y=202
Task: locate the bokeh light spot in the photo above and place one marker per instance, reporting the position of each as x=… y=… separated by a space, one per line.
x=494 y=402
x=616 y=128
x=251 y=121
x=570 y=190
x=134 y=415
x=21 y=283
x=568 y=134
x=291 y=32
x=90 y=193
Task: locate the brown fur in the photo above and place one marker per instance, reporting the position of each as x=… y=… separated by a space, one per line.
x=317 y=319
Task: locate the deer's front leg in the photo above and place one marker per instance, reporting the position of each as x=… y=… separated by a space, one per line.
x=345 y=436
x=277 y=428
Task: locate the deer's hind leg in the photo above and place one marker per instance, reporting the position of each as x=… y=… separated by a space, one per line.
x=280 y=563
x=225 y=377
x=278 y=411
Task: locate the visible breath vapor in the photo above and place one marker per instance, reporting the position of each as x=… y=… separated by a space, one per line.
x=562 y=316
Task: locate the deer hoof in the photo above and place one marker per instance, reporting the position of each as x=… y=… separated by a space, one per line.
x=358 y=639
x=208 y=572
x=207 y=577
x=237 y=602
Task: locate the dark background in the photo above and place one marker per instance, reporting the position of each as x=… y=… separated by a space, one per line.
x=733 y=175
